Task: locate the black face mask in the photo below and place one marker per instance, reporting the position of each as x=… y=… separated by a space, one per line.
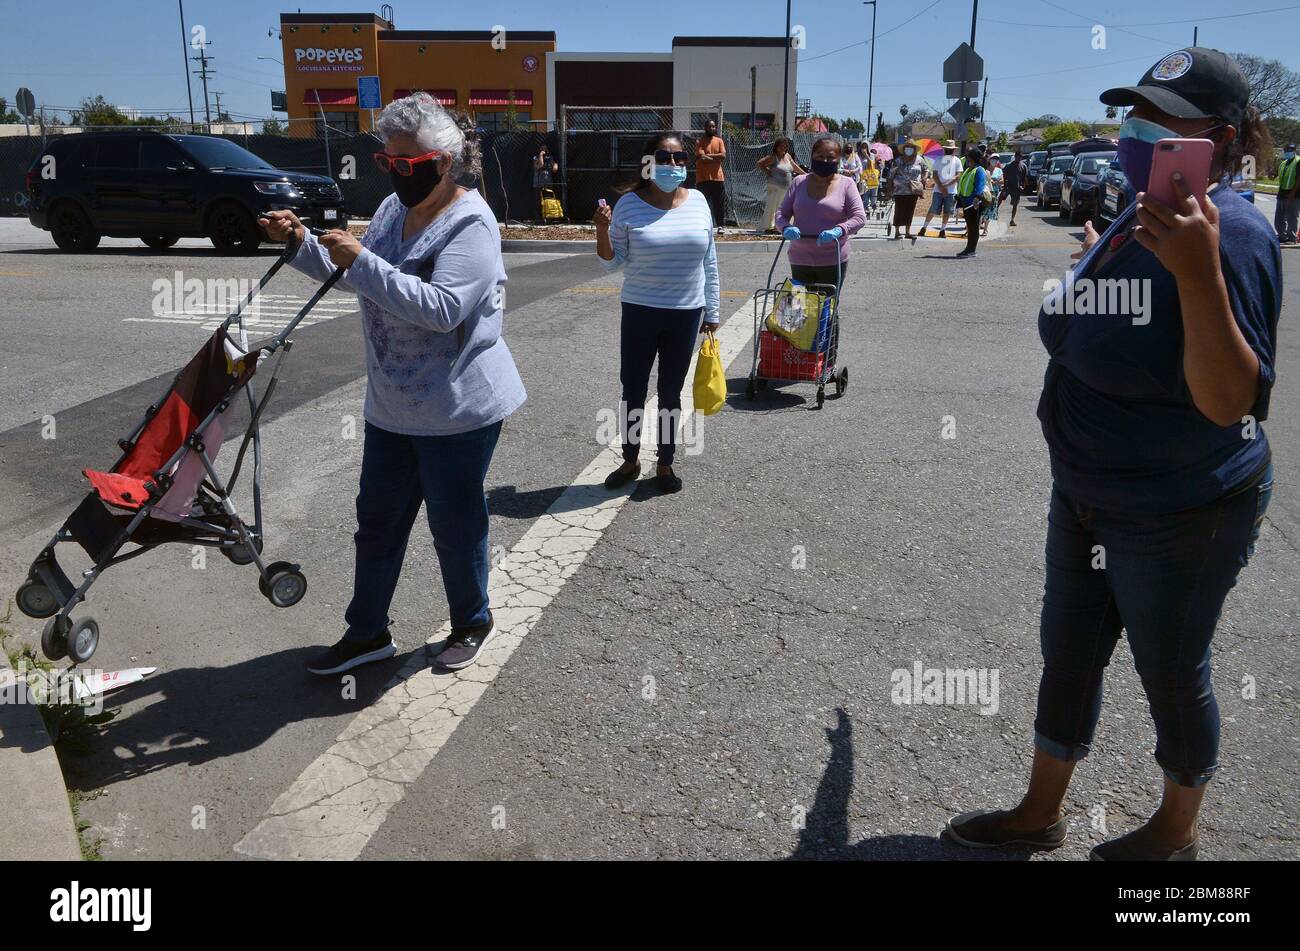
x=825 y=167
x=415 y=188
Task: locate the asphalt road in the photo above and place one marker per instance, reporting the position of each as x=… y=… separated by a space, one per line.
x=714 y=679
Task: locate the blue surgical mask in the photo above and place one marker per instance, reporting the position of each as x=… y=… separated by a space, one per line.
x=669 y=178
x=1137 y=146
x=1288 y=155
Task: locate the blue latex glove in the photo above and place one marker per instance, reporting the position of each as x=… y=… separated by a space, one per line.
x=791 y=233
x=830 y=236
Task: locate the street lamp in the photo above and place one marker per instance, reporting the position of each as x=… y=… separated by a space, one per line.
x=871 y=70
x=785 y=84
x=271 y=58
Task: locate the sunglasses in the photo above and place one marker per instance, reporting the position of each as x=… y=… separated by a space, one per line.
x=401 y=164
x=666 y=157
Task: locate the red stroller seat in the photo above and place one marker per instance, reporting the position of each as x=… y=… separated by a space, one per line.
x=165 y=488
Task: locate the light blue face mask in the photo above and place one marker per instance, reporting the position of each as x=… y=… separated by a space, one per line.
x=669 y=178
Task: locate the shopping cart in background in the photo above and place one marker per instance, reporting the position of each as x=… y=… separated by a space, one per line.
x=797 y=333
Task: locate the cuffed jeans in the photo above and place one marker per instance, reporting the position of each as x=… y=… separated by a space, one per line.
x=1163 y=579
x=398 y=473
x=670 y=335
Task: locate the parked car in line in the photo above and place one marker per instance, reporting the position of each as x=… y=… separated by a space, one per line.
x=1098 y=143
x=1049 y=179
x=161 y=188
x=1113 y=194
x=1080 y=186
x=1034 y=165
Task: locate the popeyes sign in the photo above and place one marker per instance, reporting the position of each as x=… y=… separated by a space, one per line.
x=315 y=59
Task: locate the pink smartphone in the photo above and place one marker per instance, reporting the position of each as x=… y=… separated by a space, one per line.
x=1192 y=157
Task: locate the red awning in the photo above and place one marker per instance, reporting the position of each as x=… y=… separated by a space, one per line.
x=330 y=97
x=500 y=97
x=445 y=97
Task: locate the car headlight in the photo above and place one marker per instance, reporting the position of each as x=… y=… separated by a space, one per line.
x=274 y=188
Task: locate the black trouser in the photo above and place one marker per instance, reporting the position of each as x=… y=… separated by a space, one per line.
x=715 y=193
x=972 y=214
x=647 y=332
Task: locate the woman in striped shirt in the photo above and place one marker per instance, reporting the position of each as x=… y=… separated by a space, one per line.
x=661 y=234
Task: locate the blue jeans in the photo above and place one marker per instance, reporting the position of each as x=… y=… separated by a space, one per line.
x=398 y=473
x=1163 y=580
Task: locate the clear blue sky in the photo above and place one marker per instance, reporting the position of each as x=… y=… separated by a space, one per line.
x=1038 y=53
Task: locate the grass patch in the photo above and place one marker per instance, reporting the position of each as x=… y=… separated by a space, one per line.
x=92 y=850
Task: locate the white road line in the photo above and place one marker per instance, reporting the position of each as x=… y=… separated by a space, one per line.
x=344 y=796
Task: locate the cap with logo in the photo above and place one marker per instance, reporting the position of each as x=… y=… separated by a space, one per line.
x=1193 y=83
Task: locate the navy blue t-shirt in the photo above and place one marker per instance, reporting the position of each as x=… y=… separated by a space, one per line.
x=1121 y=428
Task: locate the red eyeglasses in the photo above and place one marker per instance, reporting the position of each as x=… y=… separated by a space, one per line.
x=401 y=164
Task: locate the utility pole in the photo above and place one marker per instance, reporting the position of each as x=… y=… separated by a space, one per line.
x=984 y=102
x=871 y=70
x=785 y=83
x=753 y=100
x=217 y=96
x=202 y=72
x=185 y=42
x=974 y=17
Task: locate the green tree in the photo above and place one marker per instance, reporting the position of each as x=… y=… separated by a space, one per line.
x=273 y=127
x=1064 y=132
x=97 y=110
x=853 y=126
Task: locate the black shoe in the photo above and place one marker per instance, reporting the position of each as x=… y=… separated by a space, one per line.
x=347 y=654
x=943 y=232
x=668 y=482
x=986 y=829
x=1140 y=846
x=619 y=478
x=465 y=644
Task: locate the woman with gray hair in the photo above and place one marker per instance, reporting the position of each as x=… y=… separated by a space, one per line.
x=440 y=379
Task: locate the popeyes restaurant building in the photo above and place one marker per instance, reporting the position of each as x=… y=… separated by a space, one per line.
x=483 y=73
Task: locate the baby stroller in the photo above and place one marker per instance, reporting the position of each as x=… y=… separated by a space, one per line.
x=164 y=487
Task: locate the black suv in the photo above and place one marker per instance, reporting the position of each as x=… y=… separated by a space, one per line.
x=160 y=188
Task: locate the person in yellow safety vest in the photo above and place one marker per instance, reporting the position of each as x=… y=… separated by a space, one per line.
x=1287 y=215
x=970 y=198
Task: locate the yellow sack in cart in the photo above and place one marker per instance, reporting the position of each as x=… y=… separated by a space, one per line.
x=710 y=389
x=551 y=207
x=800 y=316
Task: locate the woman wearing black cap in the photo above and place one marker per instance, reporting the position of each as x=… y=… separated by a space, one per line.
x=1161 y=472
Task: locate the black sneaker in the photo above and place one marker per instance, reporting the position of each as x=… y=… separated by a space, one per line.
x=465 y=644
x=668 y=482
x=1140 y=846
x=347 y=654
x=619 y=478
x=943 y=232
x=986 y=829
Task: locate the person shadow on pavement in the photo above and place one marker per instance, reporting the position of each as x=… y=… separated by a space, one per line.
x=194 y=715
x=826 y=832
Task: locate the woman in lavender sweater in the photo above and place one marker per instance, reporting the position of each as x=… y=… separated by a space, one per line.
x=827 y=205
x=440 y=380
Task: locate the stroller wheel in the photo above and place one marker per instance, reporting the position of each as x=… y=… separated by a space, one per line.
x=286 y=584
x=841 y=381
x=54 y=639
x=36 y=600
x=821 y=395
x=240 y=554
x=83 y=640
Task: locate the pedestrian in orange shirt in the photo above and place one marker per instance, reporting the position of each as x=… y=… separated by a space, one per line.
x=710 y=153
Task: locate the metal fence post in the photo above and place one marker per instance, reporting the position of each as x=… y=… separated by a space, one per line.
x=564 y=161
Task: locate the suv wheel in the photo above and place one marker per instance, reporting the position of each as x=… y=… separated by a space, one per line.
x=71 y=229
x=233 y=230
x=159 y=241
x=1062 y=209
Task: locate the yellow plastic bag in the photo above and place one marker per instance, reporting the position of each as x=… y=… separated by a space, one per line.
x=710 y=381
x=800 y=316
